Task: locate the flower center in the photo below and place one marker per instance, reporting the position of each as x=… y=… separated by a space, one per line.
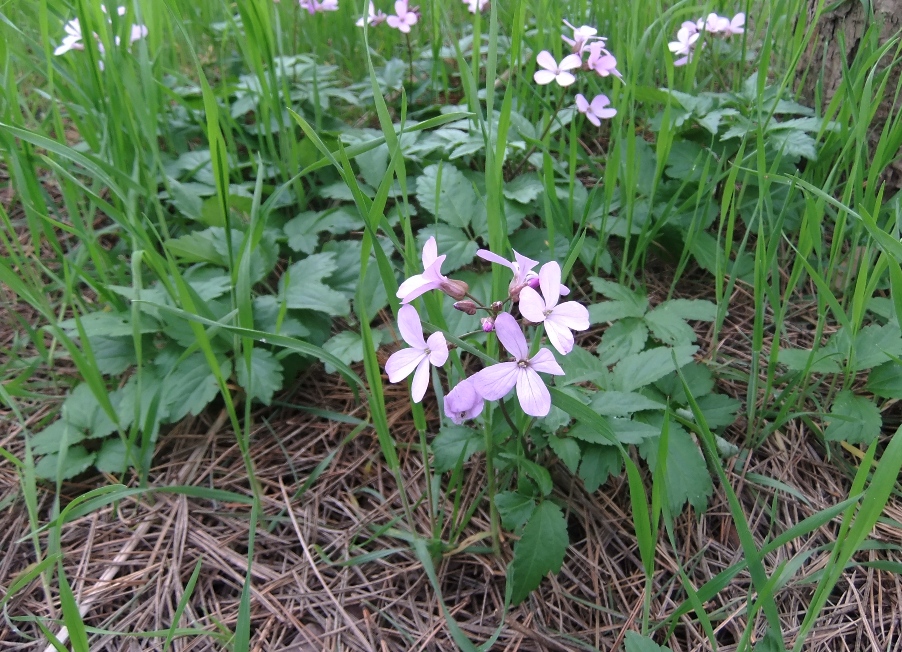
x=523 y=363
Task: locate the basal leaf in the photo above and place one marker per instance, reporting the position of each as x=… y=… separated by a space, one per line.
x=597 y=464
x=265 y=377
x=444 y=191
x=621 y=404
x=687 y=476
x=567 y=451
x=853 y=419
x=638 y=643
x=305 y=288
x=641 y=369
x=452 y=242
x=455 y=444
x=347 y=346
x=514 y=509
x=539 y=551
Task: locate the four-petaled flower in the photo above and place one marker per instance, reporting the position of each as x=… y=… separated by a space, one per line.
x=736 y=25
x=559 y=319
x=430 y=279
x=521 y=266
x=403 y=18
x=494 y=382
x=552 y=71
x=683 y=45
x=602 y=61
x=72 y=39
x=373 y=17
x=463 y=403
x=476 y=5
x=595 y=110
x=581 y=36
x=419 y=356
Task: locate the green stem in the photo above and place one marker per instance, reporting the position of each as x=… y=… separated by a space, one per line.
x=494 y=520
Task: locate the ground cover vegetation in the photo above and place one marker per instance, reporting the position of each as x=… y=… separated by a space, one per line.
x=466 y=325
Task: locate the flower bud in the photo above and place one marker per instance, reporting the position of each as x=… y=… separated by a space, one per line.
x=454 y=288
x=497 y=306
x=488 y=324
x=463 y=403
x=467 y=306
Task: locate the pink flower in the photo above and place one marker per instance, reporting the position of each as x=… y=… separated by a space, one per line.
x=72 y=39
x=430 y=279
x=373 y=17
x=683 y=45
x=419 y=356
x=405 y=17
x=314 y=6
x=522 y=269
x=494 y=382
x=476 y=5
x=736 y=26
x=559 y=319
x=602 y=61
x=463 y=403
x=554 y=72
x=581 y=36
x=712 y=24
x=595 y=111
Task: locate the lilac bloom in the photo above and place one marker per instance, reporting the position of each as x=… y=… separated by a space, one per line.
x=736 y=25
x=522 y=269
x=602 y=61
x=463 y=403
x=712 y=24
x=683 y=45
x=419 y=356
x=476 y=5
x=404 y=17
x=559 y=319
x=595 y=111
x=373 y=17
x=581 y=36
x=72 y=39
x=494 y=382
x=554 y=71
x=430 y=279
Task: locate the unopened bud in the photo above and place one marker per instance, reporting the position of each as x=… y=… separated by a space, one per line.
x=497 y=306
x=467 y=306
x=488 y=324
x=454 y=288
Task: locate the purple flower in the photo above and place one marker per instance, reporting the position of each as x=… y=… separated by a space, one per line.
x=521 y=266
x=736 y=26
x=554 y=71
x=559 y=319
x=595 y=111
x=373 y=17
x=602 y=61
x=581 y=36
x=494 y=382
x=419 y=356
x=404 y=17
x=463 y=403
x=430 y=279
x=684 y=44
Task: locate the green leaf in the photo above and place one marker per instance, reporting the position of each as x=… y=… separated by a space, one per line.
x=191 y=386
x=82 y=410
x=524 y=189
x=455 y=444
x=598 y=462
x=539 y=551
x=347 y=346
x=793 y=143
x=305 y=288
x=687 y=477
x=668 y=321
x=621 y=339
x=637 y=301
x=699 y=378
x=536 y=472
x=638 y=643
x=111 y=458
x=267 y=311
x=629 y=431
x=641 y=369
x=50 y=439
x=853 y=419
x=265 y=375
x=567 y=450
x=77 y=460
x=621 y=404
x=825 y=361
x=579 y=366
x=884 y=381
x=514 y=509
x=719 y=409
x=686 y=161
x=875 y=344
x=444 y=191
x=113 y=355
x=452 y=242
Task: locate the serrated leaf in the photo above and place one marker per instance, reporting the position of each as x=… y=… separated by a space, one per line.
x=567 y=451
x=875 y=344
x=597 y=464
x=686 y=161
x=305 y=288
x=77 y=460
x=580 y=366
x=641 y=369
x=667 y=324
x=444 y=191
x=539 y=551
x=793 y=143
x=719 y=409
x=113 y=355
x=82 y=410
x=629 y=431
x=50 y=439
x=266 y=318
x=452 y=242
x=885 y=381
x=265 y=377
x=191 y=386
x=697 y=376
x=825 y=362
x=514 y=509
x=111 y=458
x=539 y=474
x=621 y=404
x=108 y=324
x=208 y=282
x=853 y=419
x=621 y=339
x=687 y=477
x=638 y=643
x=347 y=346
x=455 y=444
x=524 y=189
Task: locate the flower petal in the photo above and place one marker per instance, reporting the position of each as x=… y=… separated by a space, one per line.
x=543 y=77
x=523 y=265
x=438 y=349
x=532 y=394
x=571 y=314
x=550 y=282
x=415 y=286
x=582 y=104
x=532 y=306
x=508 y=331
x=420 y=381
x=544 y=361
x=565 y=78
x=570 y=62
x=545 y=60
x=410 y=327
x=430 y=252
x=496 y=381
x=559 y=335
x=492 y=257
x=402 y=363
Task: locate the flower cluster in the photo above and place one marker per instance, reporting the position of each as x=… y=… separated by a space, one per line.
x=74 y=39
x=315 y=6
x=537 y=299
x=474 y=6
x=690 y=32
x=402 y=20
x=588 y=52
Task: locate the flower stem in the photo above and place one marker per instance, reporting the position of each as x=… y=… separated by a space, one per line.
x=410 y=60
x=491 y=489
